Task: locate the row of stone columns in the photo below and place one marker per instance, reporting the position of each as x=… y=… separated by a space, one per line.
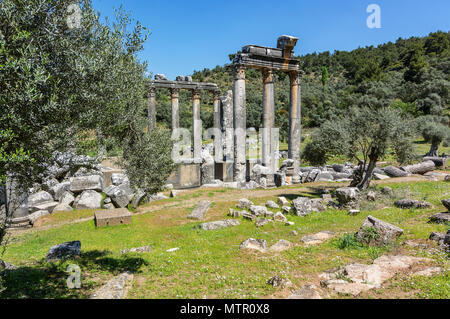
x=196 y=118
x=268 y=143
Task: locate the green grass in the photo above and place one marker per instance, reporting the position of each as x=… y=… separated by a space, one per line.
x=209 y=263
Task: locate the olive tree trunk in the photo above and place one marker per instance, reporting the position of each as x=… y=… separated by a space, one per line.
x=434 y=150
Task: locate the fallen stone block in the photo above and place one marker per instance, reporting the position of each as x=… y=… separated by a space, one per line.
x=112 y=217
x=116 y=288
x=200 y=210
x=89 y=200
x=282 y=201
x=244 y=203
x=219 y=224
x=84 y=183
x=378 y=232
x=421 y=168
x=64 y=251
x=277 y=281
x=411 y=203
x=254 y=244
x=440 y=218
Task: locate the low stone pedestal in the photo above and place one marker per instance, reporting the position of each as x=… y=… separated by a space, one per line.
x=224 y=172
x=186 y=176
x=113 y=217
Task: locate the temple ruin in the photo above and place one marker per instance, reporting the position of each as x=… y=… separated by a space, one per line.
x=230 y=159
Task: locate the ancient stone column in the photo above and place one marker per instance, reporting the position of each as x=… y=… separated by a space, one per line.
x=151 y=109
x=295 y=124
x=218 y=153
x=268 y=121
x=240 y=124
x=196 y=126
x=228 y=126
x=175 y=109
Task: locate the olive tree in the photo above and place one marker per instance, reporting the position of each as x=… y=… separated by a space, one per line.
x=435 y=130
x=364 y=135
x=65 y=74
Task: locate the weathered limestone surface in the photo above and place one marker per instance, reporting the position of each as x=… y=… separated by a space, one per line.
x=254 y=244
x=219 y=224
x=240 y=124
x=93 y=182
x=316 y=239
x=112 y=217
x=200 y=210
x=306 y=292
x=421 y=168
x=116 y=288
x=385 y=233
x=63 y=251
x=411 y=203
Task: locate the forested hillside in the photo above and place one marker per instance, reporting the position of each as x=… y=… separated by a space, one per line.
x=411 y=74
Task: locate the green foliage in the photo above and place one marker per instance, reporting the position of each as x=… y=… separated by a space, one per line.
x=435 y=130
x=365 y=135
x=148 y=161
x=348 y=241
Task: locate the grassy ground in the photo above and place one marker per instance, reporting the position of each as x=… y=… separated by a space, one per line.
x=210 y=264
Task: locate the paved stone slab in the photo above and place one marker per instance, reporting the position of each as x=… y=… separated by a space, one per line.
x=318 y=238
x=112 y=217
x=200 y=210
x=306 y=292
x=219 y=224
x=116 y=288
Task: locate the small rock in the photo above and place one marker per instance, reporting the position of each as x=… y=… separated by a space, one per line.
x=440 y=218
x=260 y=222
x=235 y=213
x=354 y=212
x=302 y=206
x=286 y=209
x=64 y=251
x=371 y=196
x=289 y=224
x=411 y=203
x=306 y=292
x=172 y=250
x=244 y=203
x=446 y=203
x=272 y=204
x=282 y=201
x=258 y=210
x=144 y=249
x=378 y=232
x=219 y=224
x=387 y=191
x=294 y=233
x=280 y=246
x=279 y=217
x=254 y=244
x=279 y=282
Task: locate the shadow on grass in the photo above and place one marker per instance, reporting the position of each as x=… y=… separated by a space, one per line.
x=49 y=280
x=312 y=192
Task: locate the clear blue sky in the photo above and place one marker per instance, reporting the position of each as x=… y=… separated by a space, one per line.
x=197 y=34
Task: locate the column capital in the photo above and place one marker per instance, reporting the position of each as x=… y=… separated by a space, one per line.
x=195 y=94
x=151 y=92
x=239 y=71
x=216 y=95
x=296 y=77
x=267 y=75
x=175 y=93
